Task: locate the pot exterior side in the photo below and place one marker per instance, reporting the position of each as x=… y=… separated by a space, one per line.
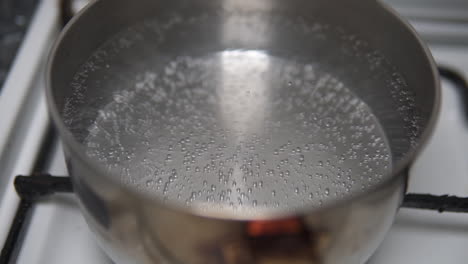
x=130 y=229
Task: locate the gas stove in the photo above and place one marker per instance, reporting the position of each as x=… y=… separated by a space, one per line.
x=52 y=230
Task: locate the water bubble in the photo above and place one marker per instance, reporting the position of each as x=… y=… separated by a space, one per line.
x=149 y=183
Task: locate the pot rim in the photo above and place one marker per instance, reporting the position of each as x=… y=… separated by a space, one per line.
x=399 y=171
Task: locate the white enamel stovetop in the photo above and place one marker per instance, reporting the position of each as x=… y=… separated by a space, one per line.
x=57 y=232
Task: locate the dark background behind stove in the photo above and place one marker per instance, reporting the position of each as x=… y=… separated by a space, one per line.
x=15 y=16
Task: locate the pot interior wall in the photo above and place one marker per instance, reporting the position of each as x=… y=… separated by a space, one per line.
x=365 y=49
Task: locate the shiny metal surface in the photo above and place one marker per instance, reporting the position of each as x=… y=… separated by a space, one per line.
x=398 y=82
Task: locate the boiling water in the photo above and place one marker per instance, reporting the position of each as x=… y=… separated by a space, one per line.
x=240 y=130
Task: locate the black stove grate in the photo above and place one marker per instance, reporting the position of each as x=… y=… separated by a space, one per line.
x=32 y=188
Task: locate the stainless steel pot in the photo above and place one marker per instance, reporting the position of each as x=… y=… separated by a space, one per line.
x=399 y=83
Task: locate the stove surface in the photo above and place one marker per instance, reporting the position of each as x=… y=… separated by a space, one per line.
x=417 y=236
x=15 y=16
x=56 y=232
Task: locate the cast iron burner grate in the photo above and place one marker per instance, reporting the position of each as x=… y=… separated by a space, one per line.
x=32 y=188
